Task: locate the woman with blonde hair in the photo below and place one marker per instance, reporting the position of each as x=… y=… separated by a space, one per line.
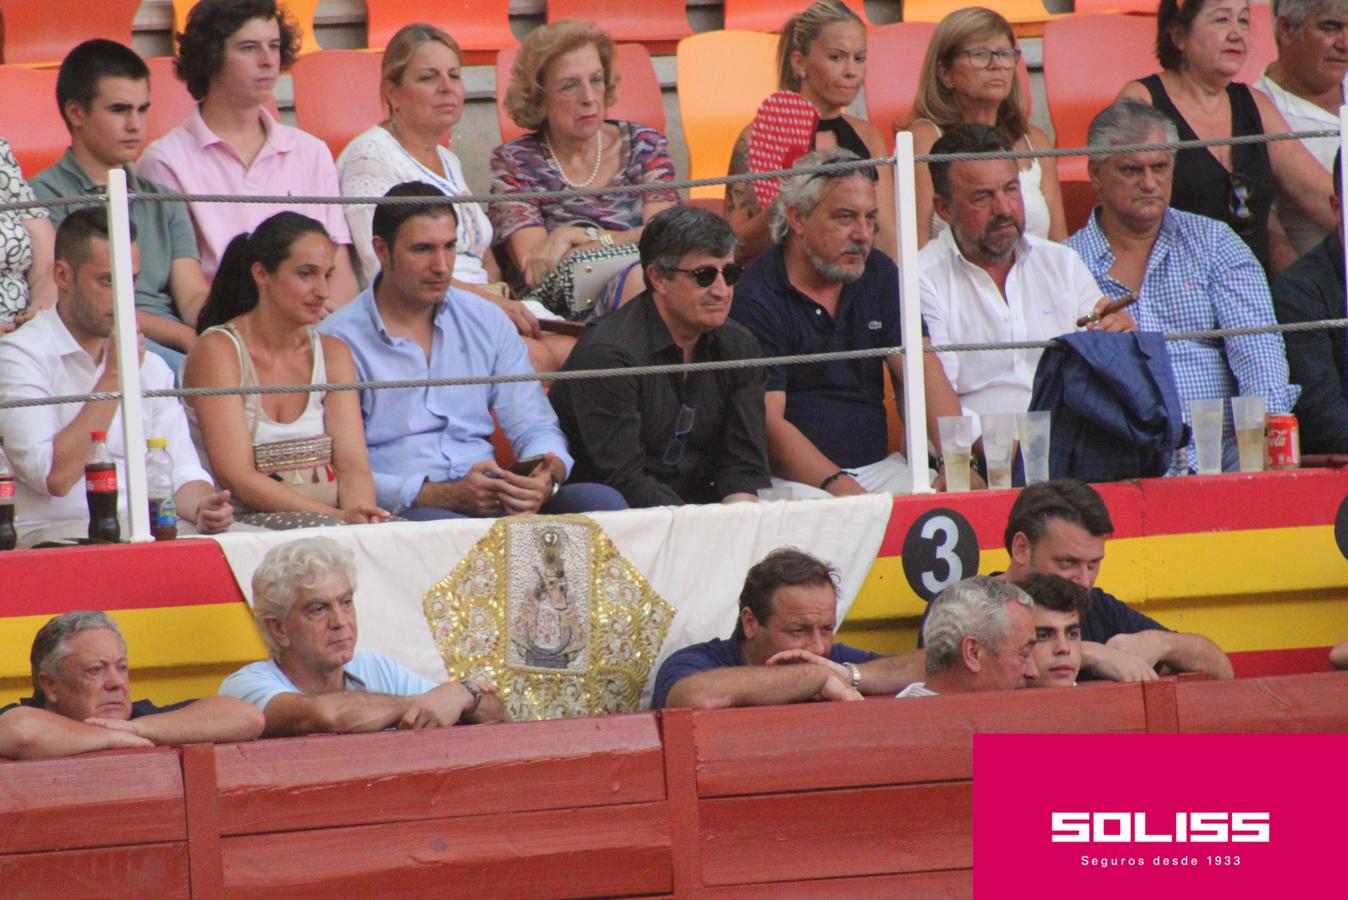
x=421 y=86
x=970 y=74
x=562 y=84
x=821 y=55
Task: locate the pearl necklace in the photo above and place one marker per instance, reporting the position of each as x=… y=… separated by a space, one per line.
x=598 y=160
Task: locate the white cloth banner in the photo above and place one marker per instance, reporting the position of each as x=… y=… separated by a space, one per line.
x=695 y=557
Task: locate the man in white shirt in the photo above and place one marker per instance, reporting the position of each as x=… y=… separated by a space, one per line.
x=980 y=636
x=68 y=350
x=1305 y=83
x=985 y=280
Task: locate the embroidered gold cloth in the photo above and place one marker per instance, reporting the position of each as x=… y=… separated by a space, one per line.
x=545 y=608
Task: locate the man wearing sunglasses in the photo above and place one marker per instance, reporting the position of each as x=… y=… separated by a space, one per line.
x=664 y=440
x=823 y=288
x=1189 y=272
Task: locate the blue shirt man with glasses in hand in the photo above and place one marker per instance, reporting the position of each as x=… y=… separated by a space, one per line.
x=679 y=438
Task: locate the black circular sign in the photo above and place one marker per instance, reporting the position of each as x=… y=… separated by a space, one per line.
x=939 y=550
x=1341 y=528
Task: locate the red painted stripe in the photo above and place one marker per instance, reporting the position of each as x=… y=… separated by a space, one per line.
x=1260 y=663
x=1289 y=499
x=171 y=573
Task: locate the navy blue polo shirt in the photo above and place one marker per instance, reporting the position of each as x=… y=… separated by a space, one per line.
x=839 y=406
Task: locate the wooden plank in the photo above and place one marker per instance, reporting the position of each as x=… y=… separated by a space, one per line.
x=1162 y=713
x=329 y=780
x=927 y=885
x=596 y=851
x=95 y=800
x=681 y=788
x=1315 y=703
x=832 y=745
x=143 y=871
x=837 y=834
x=1291 y=661
x=203 y=821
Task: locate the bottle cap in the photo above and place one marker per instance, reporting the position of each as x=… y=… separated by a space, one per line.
x=157 y=443
x=98 y=435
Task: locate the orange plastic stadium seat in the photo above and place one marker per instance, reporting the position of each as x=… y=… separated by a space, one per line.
x=769 y=15
x=1132 y=7
x=170 y=104
x=1262 y=47
x=639 y=95
x=481 y=27
x=302 y=11
x=1080 y=81
x=34 y=128
x=891 y=85
x=337 y=95
x=1028 y=16
x=41 y=33
x=722 y=78
x=659 y=24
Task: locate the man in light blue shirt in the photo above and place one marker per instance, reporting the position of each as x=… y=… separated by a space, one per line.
x=431 y=448
x=304 y=606
x=1189 y=272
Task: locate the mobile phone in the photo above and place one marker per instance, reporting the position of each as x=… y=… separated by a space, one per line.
x=525 y=467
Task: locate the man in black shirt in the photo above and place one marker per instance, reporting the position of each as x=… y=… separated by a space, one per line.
x=1311 y=289
x=670 y=439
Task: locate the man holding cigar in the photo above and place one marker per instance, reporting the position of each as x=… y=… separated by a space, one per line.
x=984 y=280
x=1189 y=272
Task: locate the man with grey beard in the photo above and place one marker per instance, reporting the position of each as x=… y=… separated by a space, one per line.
x=985 y=280
x=821 y=288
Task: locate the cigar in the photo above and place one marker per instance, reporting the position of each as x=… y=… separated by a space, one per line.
x=1121 y=303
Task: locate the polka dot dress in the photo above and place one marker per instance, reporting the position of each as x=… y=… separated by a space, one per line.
x=16 y=250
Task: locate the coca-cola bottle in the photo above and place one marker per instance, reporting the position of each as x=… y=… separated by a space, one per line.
x=100 y=488
x=8 y=536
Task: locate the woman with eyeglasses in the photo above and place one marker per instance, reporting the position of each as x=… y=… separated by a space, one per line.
x=1201 y=45
x=821 y=55
x=971 y=75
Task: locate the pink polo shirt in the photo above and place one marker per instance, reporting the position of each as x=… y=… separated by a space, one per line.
x=192 y=160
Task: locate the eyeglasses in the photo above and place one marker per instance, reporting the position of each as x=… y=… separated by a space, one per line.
x=682 y=425
x=1238 y=202
x=705 y=276
x=982 y=57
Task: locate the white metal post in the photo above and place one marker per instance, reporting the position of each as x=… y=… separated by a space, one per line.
x=910 y=314
x=1343 y=169
x=128 y=356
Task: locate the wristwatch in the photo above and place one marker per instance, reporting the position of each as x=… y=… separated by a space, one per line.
x=856 y=675
x=477 y=696
x=603 y=237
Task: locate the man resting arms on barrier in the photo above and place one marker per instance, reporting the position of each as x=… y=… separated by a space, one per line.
x=782 y=650
x=1059 y=607
x=304 y=605
x=82 y=699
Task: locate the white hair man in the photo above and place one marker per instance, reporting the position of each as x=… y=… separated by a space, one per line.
x=82 y=699
x=980 y=636
x=315 y=681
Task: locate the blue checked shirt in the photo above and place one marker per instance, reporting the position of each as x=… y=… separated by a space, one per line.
x=1202 y=276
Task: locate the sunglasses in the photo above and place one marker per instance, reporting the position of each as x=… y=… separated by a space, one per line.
x=682 y=425
x=705 y=276
x=1238 y=202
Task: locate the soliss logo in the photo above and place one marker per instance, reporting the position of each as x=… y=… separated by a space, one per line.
x=1190 y=827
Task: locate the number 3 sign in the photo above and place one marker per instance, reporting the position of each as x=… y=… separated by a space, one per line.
x=939 y=550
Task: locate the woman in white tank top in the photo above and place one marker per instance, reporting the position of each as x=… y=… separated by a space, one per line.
x=288 y=460
x=970 y=74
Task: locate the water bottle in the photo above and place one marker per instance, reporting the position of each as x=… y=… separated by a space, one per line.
x=159 y=487
x=8 y=536
x=100 y=489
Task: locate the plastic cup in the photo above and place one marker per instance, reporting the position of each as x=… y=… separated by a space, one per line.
x=1206 y=417
x=999 y=447
x=957 y=440
x=1034 y=430
x=1247 y=413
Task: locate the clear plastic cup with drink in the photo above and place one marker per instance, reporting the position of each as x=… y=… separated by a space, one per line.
x=1206 y=417
x=999 y=447
x=1035 y=428
x=1247 y=413
x=957 y=440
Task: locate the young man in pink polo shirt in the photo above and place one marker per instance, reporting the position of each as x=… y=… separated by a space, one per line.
x=229 y=55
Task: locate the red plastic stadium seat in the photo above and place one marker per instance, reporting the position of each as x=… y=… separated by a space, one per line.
x=34 y=128
x=480 y=27
x=1080 y=81
x=639 y=96
x=769 y=15
x=337 y=95
x=896 y=53
x=1262 y=48
x=170 y=104
x=659 y=24
x=41 y=32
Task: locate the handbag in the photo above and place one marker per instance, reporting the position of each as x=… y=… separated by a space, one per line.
x=576 y=284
